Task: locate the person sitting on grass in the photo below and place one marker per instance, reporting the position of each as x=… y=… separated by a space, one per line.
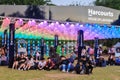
x=78 y=68
x=111 y=59
x=70 y=66
x=36 y=61
x=88 y=67
x=29 y=63
x=41 y=64
x=56 y=60
x=16 y=60
x=63 y=64
x=49 y=64
x=22 y=62
x=102 y=62
x=3 y=60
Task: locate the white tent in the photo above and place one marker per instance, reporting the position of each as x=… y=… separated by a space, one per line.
x=117 y=44
x=117 y=49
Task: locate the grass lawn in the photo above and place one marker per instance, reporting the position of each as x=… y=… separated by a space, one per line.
x=106 y=73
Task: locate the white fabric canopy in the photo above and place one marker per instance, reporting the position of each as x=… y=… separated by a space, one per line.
x=117 y=45
x=117 y=53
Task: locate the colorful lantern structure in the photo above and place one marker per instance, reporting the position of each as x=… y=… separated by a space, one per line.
x=66 y=31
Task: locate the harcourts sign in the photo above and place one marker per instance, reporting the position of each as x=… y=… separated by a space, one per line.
x=92 y=12
x=100 y=16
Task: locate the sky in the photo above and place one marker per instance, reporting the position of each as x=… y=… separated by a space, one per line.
x=67 y=2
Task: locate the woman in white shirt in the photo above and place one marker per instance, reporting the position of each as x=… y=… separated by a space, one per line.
x=29 y=64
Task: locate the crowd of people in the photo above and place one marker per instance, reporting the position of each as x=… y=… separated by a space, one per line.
x=63 y=63
x=68 y=63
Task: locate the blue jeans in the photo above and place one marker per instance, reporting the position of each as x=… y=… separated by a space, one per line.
x=70 y=67
x=63 y=67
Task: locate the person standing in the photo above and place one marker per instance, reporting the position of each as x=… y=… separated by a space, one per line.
x=52 y=51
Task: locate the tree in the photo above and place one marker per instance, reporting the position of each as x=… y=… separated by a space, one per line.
x=26 y=2
x=115 y=4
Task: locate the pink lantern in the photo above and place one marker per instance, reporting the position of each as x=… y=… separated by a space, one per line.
x=72 y=26
x=45 y=23
x=5 y=22
x=18 y=23
x=29 y=23
x=32 y=23
x=57 y=23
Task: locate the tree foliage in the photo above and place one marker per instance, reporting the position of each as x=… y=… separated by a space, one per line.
x=26 y=2
x=115 y=4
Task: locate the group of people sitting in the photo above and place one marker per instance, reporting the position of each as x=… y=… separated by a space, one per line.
x=71 y=63
x=63 y=63
x=24 y=62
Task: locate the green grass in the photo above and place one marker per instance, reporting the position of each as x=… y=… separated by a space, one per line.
x=106 y=73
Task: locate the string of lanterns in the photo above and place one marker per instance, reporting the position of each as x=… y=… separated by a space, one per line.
x=66 y=31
